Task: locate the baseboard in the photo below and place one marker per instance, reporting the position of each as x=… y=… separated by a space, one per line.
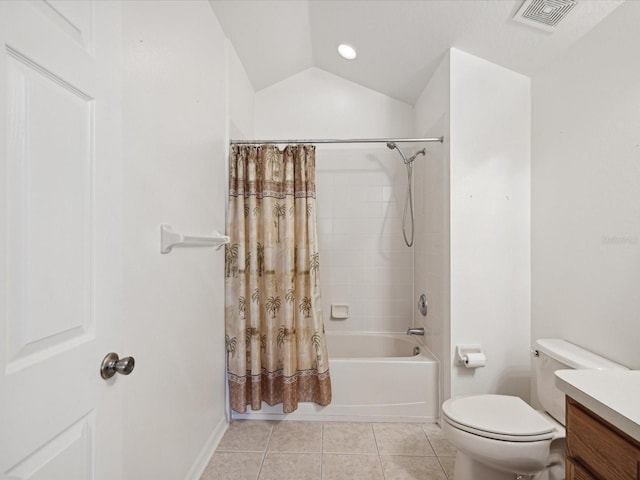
x=280 y=417
x=207 y=450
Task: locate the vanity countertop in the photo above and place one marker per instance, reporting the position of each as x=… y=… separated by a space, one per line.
x=612 y=394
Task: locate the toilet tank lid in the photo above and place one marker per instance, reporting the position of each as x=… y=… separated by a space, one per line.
x=574 y=356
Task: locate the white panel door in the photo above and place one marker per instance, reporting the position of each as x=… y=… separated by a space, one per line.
x=60 y=239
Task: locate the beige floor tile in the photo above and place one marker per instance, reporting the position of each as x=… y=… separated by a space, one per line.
x=246 y=436
x=233 y=466
x=291 y=466
x=443 y=447
x=345 y=437
x=412 y=468
x=448 y=463
x=351 y=467
x=350 y=452
x=402 y=439
x=296 y=437
x=432 y=429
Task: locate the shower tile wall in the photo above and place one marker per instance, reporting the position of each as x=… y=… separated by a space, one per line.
x=364 y=261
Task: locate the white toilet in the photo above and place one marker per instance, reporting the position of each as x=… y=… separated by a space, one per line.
x=500 y=437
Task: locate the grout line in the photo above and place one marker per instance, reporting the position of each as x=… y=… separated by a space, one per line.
x=435 y=454
x=444 y=470
x=375 y=439
x=364 y=454
x=431 y=444
x=266 y=449
x=321 y=448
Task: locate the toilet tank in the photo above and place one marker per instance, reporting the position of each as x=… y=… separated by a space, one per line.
x=556 y=354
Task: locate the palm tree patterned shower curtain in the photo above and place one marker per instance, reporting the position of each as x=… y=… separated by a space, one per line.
x=276 y=348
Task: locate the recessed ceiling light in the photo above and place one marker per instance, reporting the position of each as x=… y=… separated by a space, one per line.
x=347 y=51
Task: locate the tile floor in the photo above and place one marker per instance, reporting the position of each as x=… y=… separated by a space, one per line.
x=290 y=450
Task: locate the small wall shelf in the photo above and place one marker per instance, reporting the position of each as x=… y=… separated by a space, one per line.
x=170 y=239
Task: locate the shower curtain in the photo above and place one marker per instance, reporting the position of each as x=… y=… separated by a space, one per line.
x=276 y=348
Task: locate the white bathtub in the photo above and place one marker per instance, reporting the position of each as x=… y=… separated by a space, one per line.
x=374 y=378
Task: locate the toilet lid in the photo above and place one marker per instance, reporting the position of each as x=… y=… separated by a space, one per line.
x=502 y=417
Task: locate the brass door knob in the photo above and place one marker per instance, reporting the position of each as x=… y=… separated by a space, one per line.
x=112 y=364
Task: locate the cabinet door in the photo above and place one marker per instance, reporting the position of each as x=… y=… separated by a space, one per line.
x=596 y=445
x=576 y=472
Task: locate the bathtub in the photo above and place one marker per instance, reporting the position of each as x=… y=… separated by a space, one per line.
x=374 y=378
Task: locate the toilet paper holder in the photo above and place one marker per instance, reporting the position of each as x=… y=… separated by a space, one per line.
x=463 y=352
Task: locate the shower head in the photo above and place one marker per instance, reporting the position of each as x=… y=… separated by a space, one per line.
x=392 y=145
x=407 y=161
x=419 y=152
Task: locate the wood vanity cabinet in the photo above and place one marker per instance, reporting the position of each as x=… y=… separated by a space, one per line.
x=596 y=450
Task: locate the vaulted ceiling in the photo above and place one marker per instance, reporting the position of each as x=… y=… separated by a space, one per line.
x=399 y=43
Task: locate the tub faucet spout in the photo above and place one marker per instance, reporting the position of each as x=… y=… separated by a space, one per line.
x=415 y=331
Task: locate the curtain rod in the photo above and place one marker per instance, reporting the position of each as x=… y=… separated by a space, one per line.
x=335 y=140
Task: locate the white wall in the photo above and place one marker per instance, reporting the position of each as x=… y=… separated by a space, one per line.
x=240 y=97
x=174 y=139
x=431 y=274
x=473 y=203
x=586 y=192
x=490 y=223
x=318 y=104
x=360 y=191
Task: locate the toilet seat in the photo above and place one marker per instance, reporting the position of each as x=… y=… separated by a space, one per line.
x=498 y=417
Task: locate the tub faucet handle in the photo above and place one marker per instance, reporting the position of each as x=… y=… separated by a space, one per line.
x=415 y=331
x=422 y=305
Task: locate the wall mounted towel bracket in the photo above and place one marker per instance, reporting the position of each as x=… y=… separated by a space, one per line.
x=170 y=239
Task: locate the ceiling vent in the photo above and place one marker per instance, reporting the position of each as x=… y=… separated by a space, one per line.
x=544 y=14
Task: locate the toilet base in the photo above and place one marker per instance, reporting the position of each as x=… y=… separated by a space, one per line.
x=469 y=469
